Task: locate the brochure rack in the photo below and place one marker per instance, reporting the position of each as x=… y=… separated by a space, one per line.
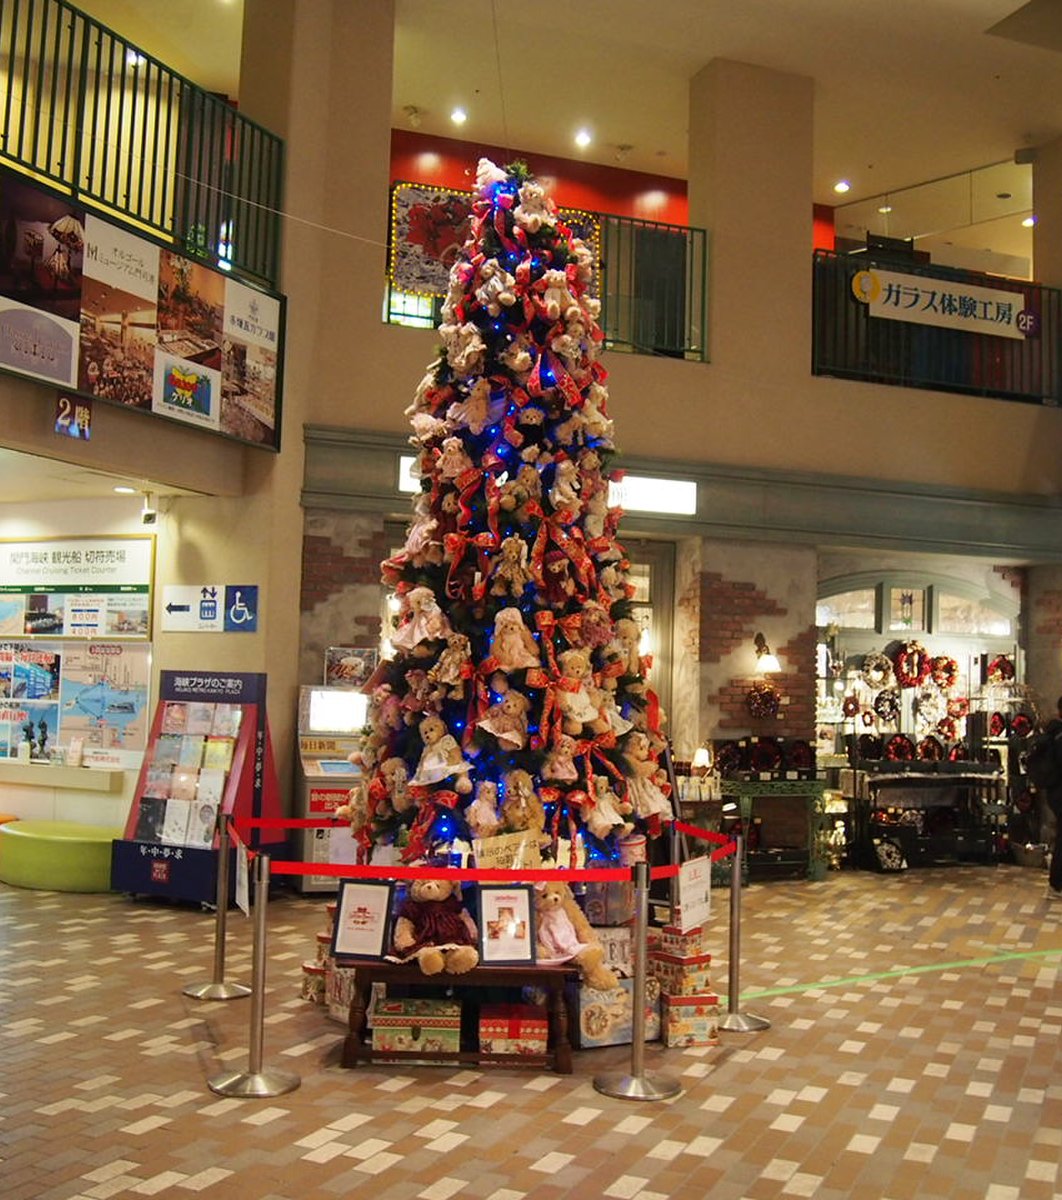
x=209 y=756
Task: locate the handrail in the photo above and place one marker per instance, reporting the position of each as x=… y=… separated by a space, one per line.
x=90 y=113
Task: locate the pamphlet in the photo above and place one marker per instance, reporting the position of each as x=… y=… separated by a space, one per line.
x=200 y=718
x=217 y=752
x=149 y=818
x=174 y=718
x=191 y=752
x=183 y=784
x=226 y=720
x=175 y=822
x=167 y=750
x=157 y=782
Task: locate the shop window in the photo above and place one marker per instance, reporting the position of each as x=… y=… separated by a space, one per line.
x=848 y=610
x=907 y=609
x=409 y=308
x=962 y=615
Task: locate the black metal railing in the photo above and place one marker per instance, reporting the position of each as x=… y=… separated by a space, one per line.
x=92 y=114
x=652 y=283
x=850 y=343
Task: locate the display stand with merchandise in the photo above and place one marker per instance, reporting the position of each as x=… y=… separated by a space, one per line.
x=209 y=754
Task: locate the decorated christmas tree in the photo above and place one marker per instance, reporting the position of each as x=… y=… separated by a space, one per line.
x=516 y=701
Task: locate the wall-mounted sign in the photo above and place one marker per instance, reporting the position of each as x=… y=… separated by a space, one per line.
x=210 y=608
x=88 y=305
x=947 y=303
x=83 y=587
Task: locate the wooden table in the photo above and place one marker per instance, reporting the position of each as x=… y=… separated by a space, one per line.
x=554 y=979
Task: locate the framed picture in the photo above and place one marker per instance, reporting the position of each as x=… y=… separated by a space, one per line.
x=506 y=924
x=349 y=666
x=363 y=919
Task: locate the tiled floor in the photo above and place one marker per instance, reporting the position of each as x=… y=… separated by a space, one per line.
x=915 y=1051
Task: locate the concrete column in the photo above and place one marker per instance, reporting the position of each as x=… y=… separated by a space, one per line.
x=750 y=186
x=1047 y=205
x=1043 y=635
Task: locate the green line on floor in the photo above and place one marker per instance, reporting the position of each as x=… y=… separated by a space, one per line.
x=854 y=980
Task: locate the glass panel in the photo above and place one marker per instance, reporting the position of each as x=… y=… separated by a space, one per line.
x=956 y=614
x=848 y=610
x=907 y=608
x=639 y=576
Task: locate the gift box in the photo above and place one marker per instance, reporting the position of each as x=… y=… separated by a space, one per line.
x=313 y=982
x=609 y=903
x=339 y=990
x=618 y=948
x=674 y=941
x=690 y=1020
x=417 y=1023
x=605 y=1018
x=681 y=975
x=513 y=1029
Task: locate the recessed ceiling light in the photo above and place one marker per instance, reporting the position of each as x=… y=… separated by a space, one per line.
x=885 y=208
x=583 y=138
x=124 y=489
x=841 y=186
x=1029 y=222
x=458 y=116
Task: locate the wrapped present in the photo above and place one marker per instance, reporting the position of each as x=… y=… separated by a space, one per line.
x=610 y=903
x=605 y=1018
x=690 y=1020
x=417 y=1023
x=674 y=941
x=618 y=948
x=681 y=975
x=339 y=990
x=324 y=946
x=313 y=982
x=513 y=1029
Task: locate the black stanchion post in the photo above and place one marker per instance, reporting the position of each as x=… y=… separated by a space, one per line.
x=638 y=1085
x=254 y=1083
x=217 y=988
x=736 y=1021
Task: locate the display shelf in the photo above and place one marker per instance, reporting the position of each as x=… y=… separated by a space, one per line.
x=790 y=817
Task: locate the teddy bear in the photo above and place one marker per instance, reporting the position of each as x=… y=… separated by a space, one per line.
x=606 y=813
x=559 y=766
x=517 y=357
x=534 y=209
x=496 y=288
x=579 y=714
x=564 y=494
x=356 y=809
x=441 y=758
x=477 y=411
x=507 y=720
x=453 y=460
x=481 y=816
x=395 y=776
x=563 y=934
x=626 y=644
x=643 y=791
x=512 y=643
x=434 y=927
x=423 y=621
x=510 y=574
x=465 y=348
x=556 y=299
x=521 y=808
x=519 y=493
x=454 y=666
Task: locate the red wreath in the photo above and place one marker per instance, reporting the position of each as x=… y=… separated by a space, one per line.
x=959 y=707
x=945 y=672
x=762 y=700
x=912 y=665
x=1000 y=669
x=947 y=729
x=850 y=706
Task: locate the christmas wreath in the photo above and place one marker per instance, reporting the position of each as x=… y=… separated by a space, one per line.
x=876 y=670
x=1021 y=725
x=912 y=664
x=762 y=700
x=959 y=707
x=887 y=704
x=947 y=728
x=945 y=672
x=850 y=706
x=899 y=748
x=868 y=718
x=1000 y=669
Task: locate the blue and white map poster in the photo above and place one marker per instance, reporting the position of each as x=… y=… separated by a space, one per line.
x=103 y=700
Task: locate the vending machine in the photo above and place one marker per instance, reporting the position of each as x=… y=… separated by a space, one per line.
x=331 y=721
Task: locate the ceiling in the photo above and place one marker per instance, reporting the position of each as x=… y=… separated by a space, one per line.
x=905 y=91
x=27 y=477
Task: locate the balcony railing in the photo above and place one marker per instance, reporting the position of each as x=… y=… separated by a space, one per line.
x=652 y=283
x=851 y=343
x=90 y=113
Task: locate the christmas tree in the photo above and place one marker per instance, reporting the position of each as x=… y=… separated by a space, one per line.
x=516 y=701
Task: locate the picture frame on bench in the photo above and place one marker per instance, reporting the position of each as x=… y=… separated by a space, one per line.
x=362 y=927
x=506 y=924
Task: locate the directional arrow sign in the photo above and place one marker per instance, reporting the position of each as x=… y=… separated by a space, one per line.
x=175 y=608
x=193 y=608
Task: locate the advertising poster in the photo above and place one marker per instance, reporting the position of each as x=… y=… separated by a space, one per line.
x=103 y=698
x=249 y=363
x=28 y=722
x=76 y=587
x=187 y=374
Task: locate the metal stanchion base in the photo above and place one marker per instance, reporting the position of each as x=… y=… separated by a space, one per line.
x=216 y=991
x=258 y=1084
x=743 y=1023
x=637 y=1087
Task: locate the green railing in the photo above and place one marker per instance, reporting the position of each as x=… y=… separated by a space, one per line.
x=88 y=112
x=652 y=283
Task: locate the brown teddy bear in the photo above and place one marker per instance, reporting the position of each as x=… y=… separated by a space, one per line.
x=434 y=927
x=522 y=809
x=507 y=720
x=563 y=934
x=580 y=716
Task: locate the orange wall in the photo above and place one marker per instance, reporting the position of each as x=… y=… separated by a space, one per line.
x=418 y=158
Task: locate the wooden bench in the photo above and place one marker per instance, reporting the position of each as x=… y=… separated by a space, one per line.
x=555 y=980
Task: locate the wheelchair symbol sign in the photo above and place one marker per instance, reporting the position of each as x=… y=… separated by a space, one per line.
x=241 y=609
